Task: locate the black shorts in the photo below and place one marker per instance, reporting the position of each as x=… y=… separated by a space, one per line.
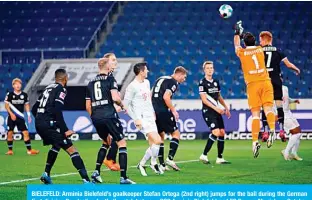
x=19 y=123
x=109 y=126
x=213 y=121
x=166 y=122
x=52 y=136
x=278 y=91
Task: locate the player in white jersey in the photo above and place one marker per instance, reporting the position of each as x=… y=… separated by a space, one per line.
x=139 y=107
x=291 y=126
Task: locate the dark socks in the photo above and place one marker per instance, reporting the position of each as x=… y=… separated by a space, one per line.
x=28 y=145
x=10 y=145
x=220 y=146
x=101 y=156
x=52 y=155
x=123 y=159
x=280 y=115
x=161 y=154
x=174 y=144
x=112 y=153
x=79 y=165
x=212 y=138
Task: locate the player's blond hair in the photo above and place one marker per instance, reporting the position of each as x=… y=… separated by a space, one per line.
x=16 y=80
x=180 y=70
x=208 y=62
x=107 y=55
x=266 y=35
x=102 y=62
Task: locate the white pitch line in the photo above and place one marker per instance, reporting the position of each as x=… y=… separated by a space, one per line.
x=74 y=173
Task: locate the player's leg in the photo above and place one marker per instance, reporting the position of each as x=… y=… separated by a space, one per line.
x=21 y=125
x=220 y=145
x=10 y=125
x=265 y=125
x=294 y=150
x=290 y=152
x=110 y=160
x=116 y=131
x=161 y=153
x=76 y=159
x=278 y=97
x=267 y=103
x=154 y=142
x=213 y=136
x=254 y=100
x=51 y=158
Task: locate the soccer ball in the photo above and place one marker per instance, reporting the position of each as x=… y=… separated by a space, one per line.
x=225 y=11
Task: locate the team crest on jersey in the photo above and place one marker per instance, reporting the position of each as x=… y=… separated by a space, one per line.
x=62 y=95
x=212 y=125
x=13 y=96
x=208 y=84
x=215 y=84
x=22 y=96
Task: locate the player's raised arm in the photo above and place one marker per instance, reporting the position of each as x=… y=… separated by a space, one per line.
x=237 y=35
x=291 y=66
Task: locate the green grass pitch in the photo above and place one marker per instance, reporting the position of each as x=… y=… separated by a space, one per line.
x=268 y=168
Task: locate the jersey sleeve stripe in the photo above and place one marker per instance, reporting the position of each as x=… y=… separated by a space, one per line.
x=59 y=101
x=284 y=59
x=212 y=100
x=87 y=98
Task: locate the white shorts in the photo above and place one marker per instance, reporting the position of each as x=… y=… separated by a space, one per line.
x=148 y=126
x=290 y=123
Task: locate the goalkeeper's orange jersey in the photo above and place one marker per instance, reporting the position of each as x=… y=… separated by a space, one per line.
x=253 y=64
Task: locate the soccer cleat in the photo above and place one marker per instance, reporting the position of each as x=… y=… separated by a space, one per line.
x=265 y=136
x=204 y=159
x=172 y=164
x=285 y=155
x=32 y=152
x=110 y=164
x=9 y=153
x=282 y=135
x=222 y=161
x=295 y=157
x=164 y=168
x=156 y=169
x=255 y=149
x=142 y=170
x=271 y=138
x=126 y=181
x=45 y=178
x=96 y=177
x=84 y=181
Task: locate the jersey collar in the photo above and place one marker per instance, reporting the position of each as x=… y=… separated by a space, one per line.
x=17 y=93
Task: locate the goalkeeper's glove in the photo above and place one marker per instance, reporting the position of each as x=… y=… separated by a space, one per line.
x=239 y=28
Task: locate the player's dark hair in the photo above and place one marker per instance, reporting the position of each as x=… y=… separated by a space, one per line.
x=139 y=67
x=60 y=74
x=249 y=39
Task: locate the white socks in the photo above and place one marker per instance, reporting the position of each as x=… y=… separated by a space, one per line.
x=295 y=148
x=155 y=149
x=146 y=156
x=293 y=144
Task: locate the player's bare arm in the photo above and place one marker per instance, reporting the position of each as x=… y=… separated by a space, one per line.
x=116 y=98
x=27 y=109
x=88 y=106
x=227 y=111
x=7 y=107
x=167 y=99
x=207 y=103
x=291 y=66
